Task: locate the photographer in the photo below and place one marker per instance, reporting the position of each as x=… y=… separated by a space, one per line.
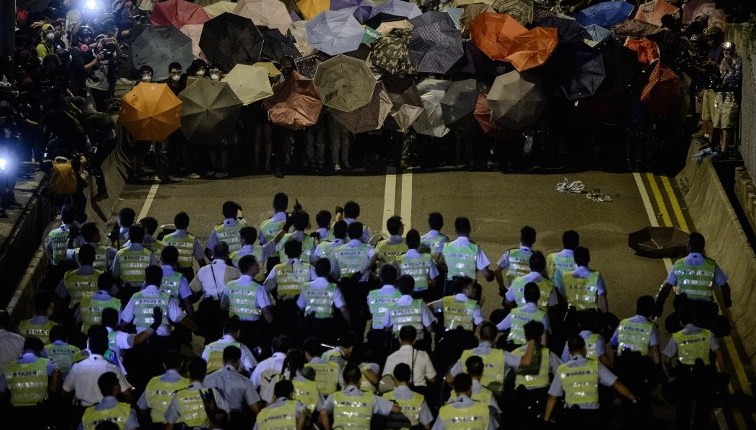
x=98 y=60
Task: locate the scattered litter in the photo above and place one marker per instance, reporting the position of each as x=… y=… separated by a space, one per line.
x=704 y=153
x=598 y=196
x=570 y=187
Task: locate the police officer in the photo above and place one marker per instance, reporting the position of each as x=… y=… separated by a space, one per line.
x=261 y=253
x=461 y=309
x=286 y=280
x=463 y=257
x=420 y=267
x=270 y=227
x=638 y=333
x=249 y=301
x=188 y=246
x=61 y=351
x=238 y=391
x=40 y=324
x=325 y=248
x=158 y=393
x=463 y=409
x=515 y=321
x=318 y=299
x=56 y=244
x=213 y=351
x=109 y=408
x=389 y=250
x=228 y=230
x=327 y=372
x=352 y=257
x=548 y=298
x=174 y=283
x=563 y=260
x=104 y=255
x=82 y=282
x=595 y=344
x=209 y=284
x=414 y=407
x=300 y=220
x=90 y=309
x=352 y=407
x=323 y=220
x=150 y=225
x=578 y=380
x=583 y=288
x=187 y=405
x=31 y=379
x=139 y=309
x=380 y=302
x=283 y=412
x=515 y=261
x=409 y=311
x=131 y=262
x=482 y=394
x=351 y=213
x=696 y=276
x=433 y=241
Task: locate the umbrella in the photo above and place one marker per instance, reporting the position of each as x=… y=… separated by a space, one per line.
x=436 y=44
x=396 y=8
x=269 y=67
x=276 y=46
x=516 y=100
x=270 y=13
x=472 y=11
x=158 y=47
x=482 y=114
x=493 y=33
x=308 y=65
x=459 y=101
x=476 y=63
x=210 y=111
x=390 y=53
x=249 y=83
x=689 y=7
x=309 y=8
x=605 y=14
x=406 y=103
x=335 y=32
x=344 y=83
x=150 y=112
x=299 y=31
x=386 y=27
x=205 y=3
x=609 y=104
x=532 y=48
x=194 y=31
x=659 y=241
x=661 y=93
x=653 y=11
x=231 y=39
x=455 y=13
x=362 y=8
x=431 y=120
x=587 y=73
x=717 y=17
x=647 y=50
x=635 y=28
x=376 y=20
x=597 y=34
x=368 y=117
x=218 y=8
x=568 y=29
x=521 y=10
x=295 y=104
x=177 y=13
x=370 y=36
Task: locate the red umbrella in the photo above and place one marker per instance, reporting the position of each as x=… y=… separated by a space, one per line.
x=178 y=13
x=662 y=92
x=295 y=104
x=646 y=49
x=493 y=33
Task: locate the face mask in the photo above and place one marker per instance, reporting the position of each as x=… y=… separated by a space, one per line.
x=215 y=77
x=200 y=72
x=146 y=78
x=50 y=37
x=175 y=78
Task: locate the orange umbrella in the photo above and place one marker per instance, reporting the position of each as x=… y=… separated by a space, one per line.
x=150 y=112
x=532 y=48
x=653 y=11
x=493 y=33
x=647 y=50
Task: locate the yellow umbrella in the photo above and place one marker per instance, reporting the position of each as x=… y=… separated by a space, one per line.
x=150 y=112
x=218 y=8
x=249 y=83
x=310 y=8
x=269 y=67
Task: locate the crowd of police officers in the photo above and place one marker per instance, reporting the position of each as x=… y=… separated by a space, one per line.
x=336 y=327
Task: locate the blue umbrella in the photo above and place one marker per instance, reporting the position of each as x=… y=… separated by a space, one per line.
x=362 y=8
x=605 y=14
x=598 y=34
x=398 y=8
x=335 y=32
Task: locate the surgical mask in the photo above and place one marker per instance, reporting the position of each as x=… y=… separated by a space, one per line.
x=175 y=78
x=215 y=76
x=200 y=72
x=50 y=37
x=146 y=78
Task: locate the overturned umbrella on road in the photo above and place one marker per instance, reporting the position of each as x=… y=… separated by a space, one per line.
x=344 y=83
x=659 y=241
x=369 y=117
x=210 y=111
x=158 y=47
x=431 y=120
x=436 y=44
x=295 y=104
x=516 y=100
x=150 y=112
x=228 y=40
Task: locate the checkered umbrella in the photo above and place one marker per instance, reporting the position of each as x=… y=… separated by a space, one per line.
x=521 y=10
x=436 y=44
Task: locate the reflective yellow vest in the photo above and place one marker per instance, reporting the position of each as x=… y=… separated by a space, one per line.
x=351 y=259
x=290 y=277
x=282 y=417
x=191 y=408
x=582 y=293
x=170 y=284
x=461 y=260
x=143 y=306
x=541 y=380
x=185 y=247
x=458 y=313
x=580 y=382
x=353 y=412
x=119 y=415
x=410 y=407
x=215 y=354
x=42 y=331
x=493 y=365
x=326 y=376
x=159 y=395
x=59 y=239
x=230 y=235
x=308 y=245
x=132 y=265
x=411 y=314
x=544 y=285
x=63 y=355
x=270 y=228
x=243 y=300
x=634 y=336
x=379 y=304
x=473 y=417
x=695 y=281
x=80 y=286
x=418 y=268
x=390 y=252
x=561 y=263
x=101 y=262
x=307 y=392
x=519 y=264
x=518 y=321
x=90 y=310
x=318 y=301
x=691 y=347
x=27 y=382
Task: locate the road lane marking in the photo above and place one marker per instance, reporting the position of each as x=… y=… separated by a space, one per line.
x=649 y=210
x=407 y=200
x=666 y=220
x=675 y=204
x=148 y=201
x=389 y=197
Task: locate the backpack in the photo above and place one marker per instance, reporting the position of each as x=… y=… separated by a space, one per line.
x=62 y=177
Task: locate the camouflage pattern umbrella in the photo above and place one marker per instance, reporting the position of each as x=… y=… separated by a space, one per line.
x=458 y=103
x=516 y=100
x=369 y=117
x=436 y=44
x=521 y=10
x=431 y=121
x=390 y=53
x=407 y=104
x=344 y=83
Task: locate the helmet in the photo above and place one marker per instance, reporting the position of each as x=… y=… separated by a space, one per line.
x=712 y=31
x=86 y=30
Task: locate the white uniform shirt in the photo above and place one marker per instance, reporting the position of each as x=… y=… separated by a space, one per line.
x=319 y=283
x=274 y=362
x=82 y=379
x=211 y=280
x=248 y=360
x=481 y=261
x=213 y=238
x=365 y=232
x=533 y=277
x=175 y=313
x=277 y=217
x=528 y=308
x=423 y=369
x=600 y=346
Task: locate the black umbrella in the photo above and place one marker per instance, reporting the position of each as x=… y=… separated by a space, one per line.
x=476 y=62
x=575 y=70
x=436 y=44
x=659 y=241
x=382 y=17
x=569 y=30
x=228 y=40
x=276 y=45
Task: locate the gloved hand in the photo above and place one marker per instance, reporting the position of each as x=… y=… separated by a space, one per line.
x=157 y=316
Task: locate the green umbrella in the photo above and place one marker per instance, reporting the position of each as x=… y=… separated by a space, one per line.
x=344 y=83
x=210 y=111
x=368 y=117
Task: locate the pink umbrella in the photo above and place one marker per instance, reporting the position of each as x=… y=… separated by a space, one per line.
x=194 y=31
x=178 y=13
x=716 y=16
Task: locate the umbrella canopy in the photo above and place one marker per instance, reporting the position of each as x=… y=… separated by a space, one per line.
x=299 y=31
x=605 y=14
x=335 y=32
x=204 y=3
x=455 y=13
x=610 y=102
x=370 y=36
x=431 y=120
x=406 y=104
x=390 y=53
x=194 y=31
x=521 y=10
x=635 y=28
x=177 y=13
x=270 y=13
x=436 y=44
x=269 y=67
x=653 y=11
x=158 y=47
x=276 y=45
x=210 y=111
x=368 y=117
x=661 y=93
x=493 y=33
x=597 y=34
x=717 y=17
x=215 y=9
x=344 y=83
x=249 y=83
x=308 y=65
x=568 y=29
x=386 y=27
x=532 y=48
x=231 y=39
x=362 y=8
x=470 y=13
x=295 y=104
x=476 y=63
x=587 y=73
x=310 y=8
x=659 y=241
x=376 y=20
x=150 y=112
x=459 y=100
x=516 y=100
x=647 y=50
x=482 y=114
x=396 y=8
